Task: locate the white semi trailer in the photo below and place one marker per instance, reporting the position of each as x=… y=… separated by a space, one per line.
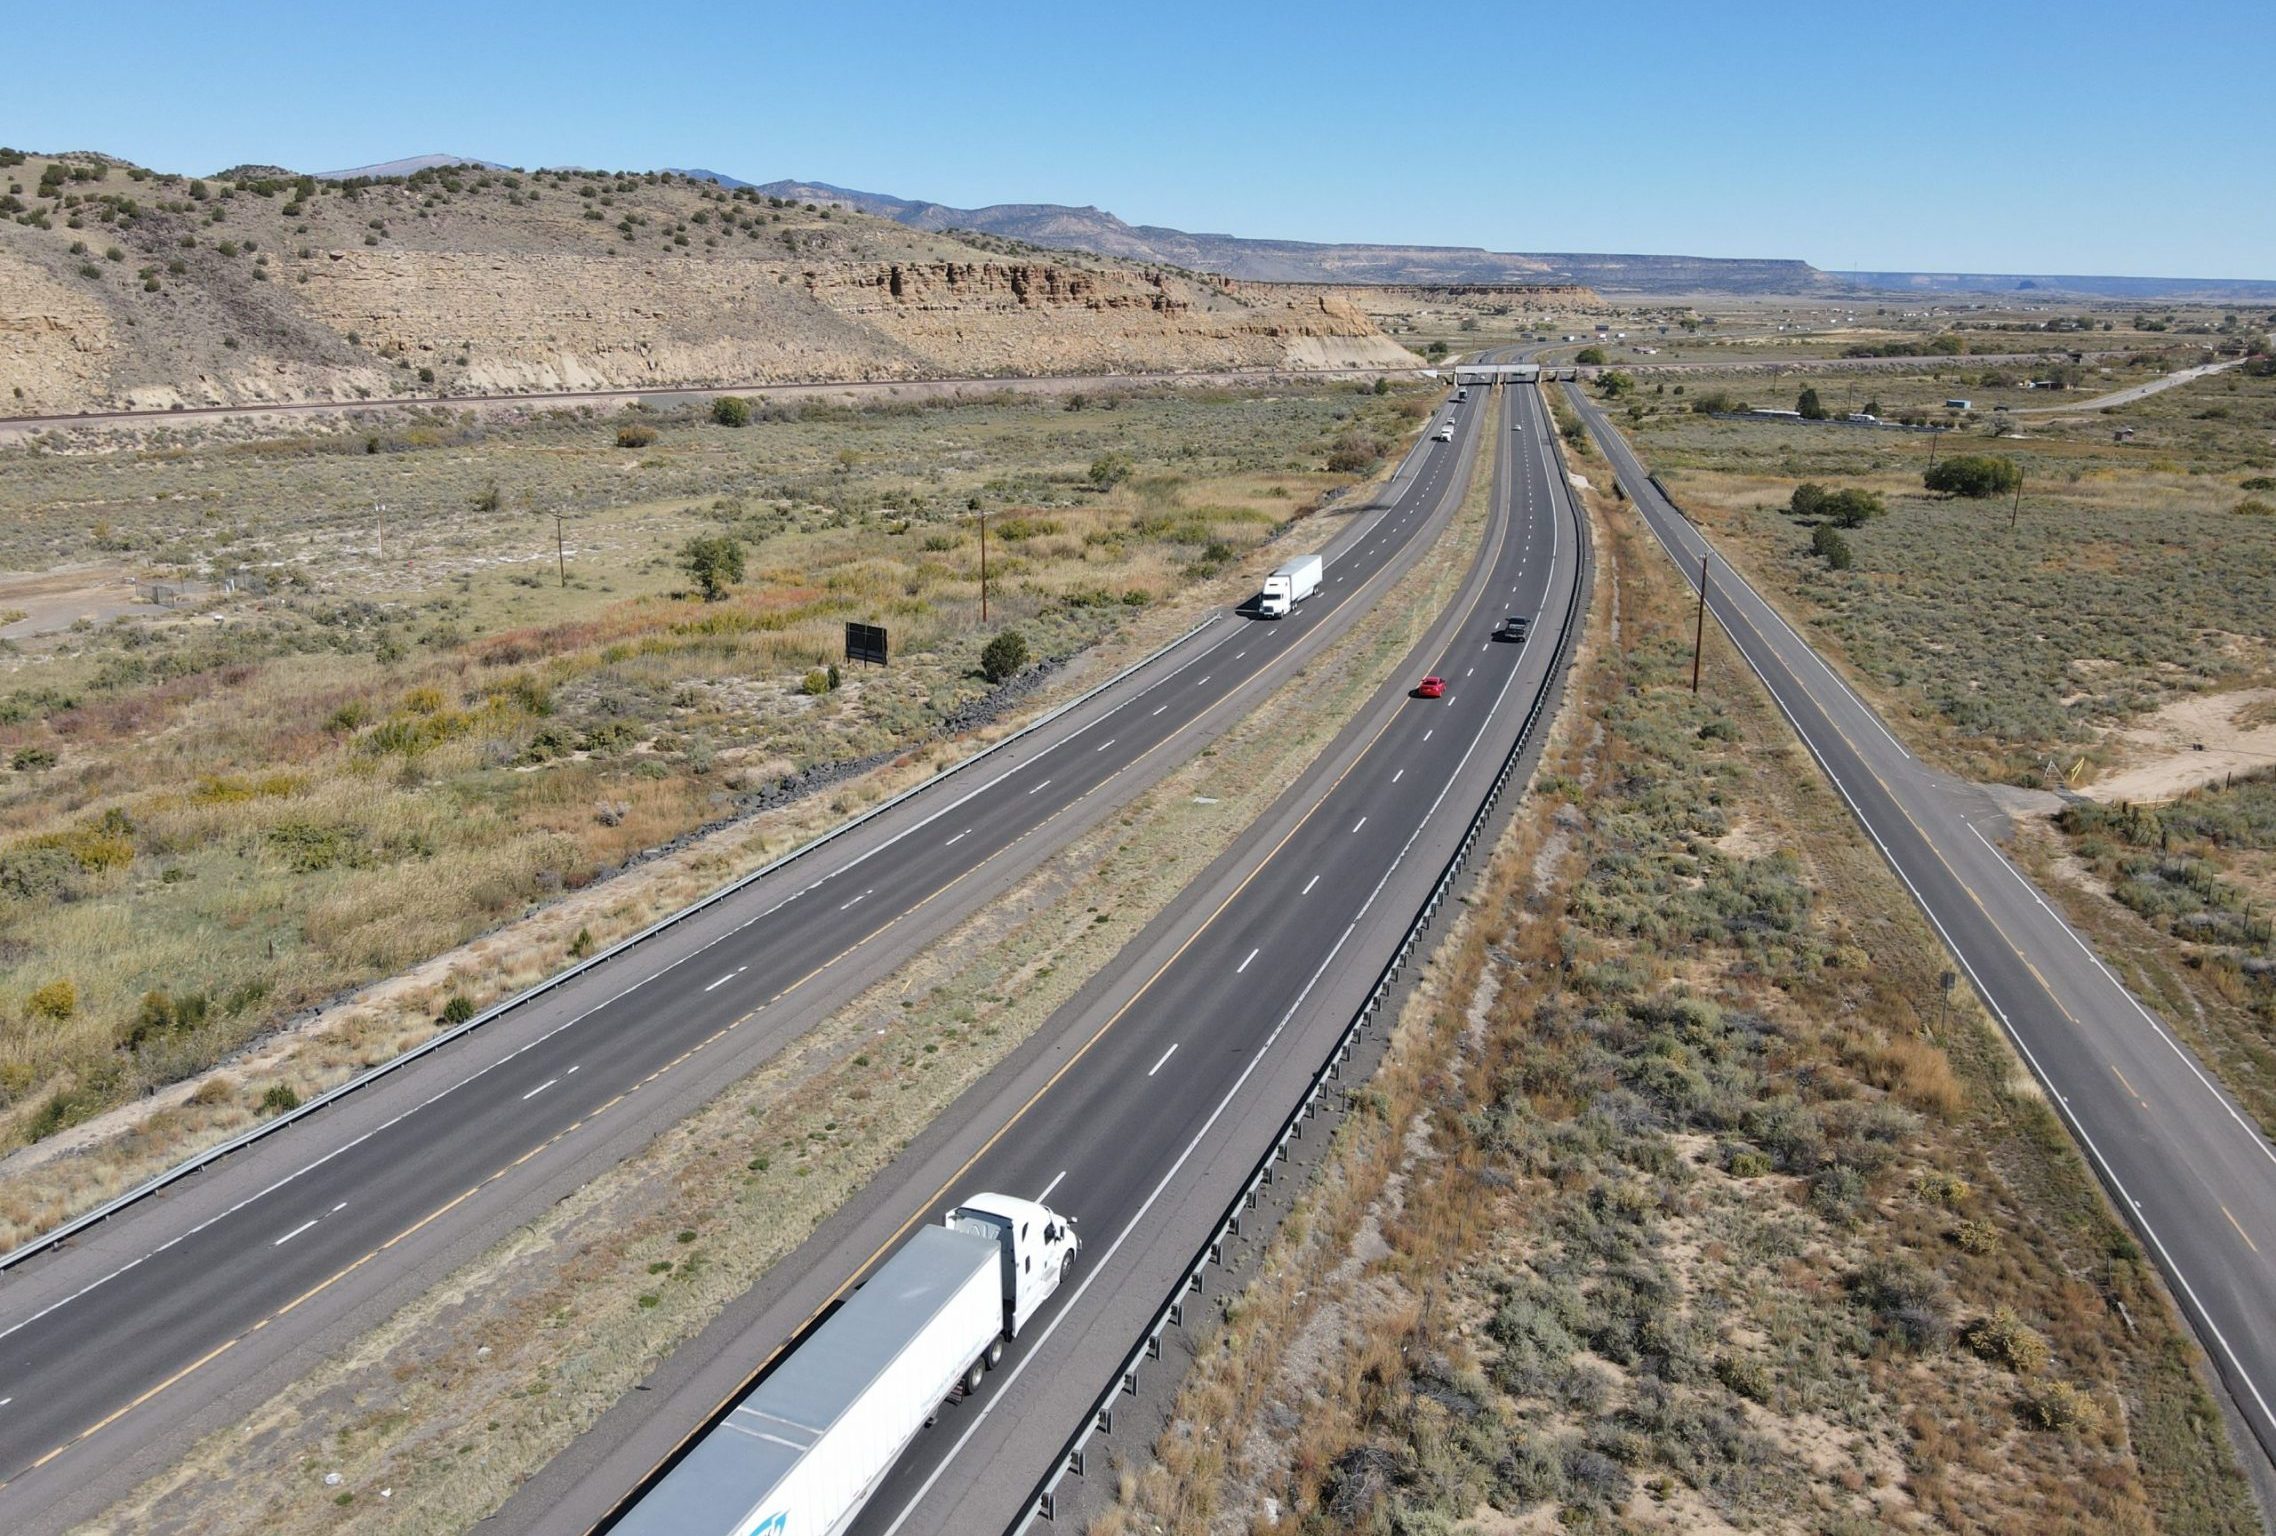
x=1290 y=585
x=803 y=1453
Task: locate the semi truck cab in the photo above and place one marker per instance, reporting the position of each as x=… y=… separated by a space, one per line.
x=1037 y=1244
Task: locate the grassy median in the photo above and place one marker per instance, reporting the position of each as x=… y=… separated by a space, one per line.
x=1683 y=1203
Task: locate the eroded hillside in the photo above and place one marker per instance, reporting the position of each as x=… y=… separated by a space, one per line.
x=122 y=288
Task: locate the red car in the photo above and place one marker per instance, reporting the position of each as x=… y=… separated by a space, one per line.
x=1431 y=688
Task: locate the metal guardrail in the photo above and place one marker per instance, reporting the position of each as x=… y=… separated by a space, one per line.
x=1071 y=1461
x=213 y=1154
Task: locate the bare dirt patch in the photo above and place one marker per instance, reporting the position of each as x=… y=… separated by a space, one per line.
x=2190 y=743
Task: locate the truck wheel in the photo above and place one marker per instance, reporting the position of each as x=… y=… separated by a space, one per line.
x=995 y=1355
x=974 y=1376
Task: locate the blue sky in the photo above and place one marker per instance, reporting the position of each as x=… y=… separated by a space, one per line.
x=2089 y=138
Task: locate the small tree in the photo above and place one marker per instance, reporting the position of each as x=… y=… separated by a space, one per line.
x=731 y=411
x=1615 y=384
x=1852 y=508
x=1810 y=406
x=1590 y=357
x=1436 y=351
x=1109 y=470
x=714 y=562
x=1002 y=657
x=1973 y=475
x=1827 y=541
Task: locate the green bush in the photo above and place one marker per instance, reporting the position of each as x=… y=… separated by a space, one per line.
x=637 y=435
x=1590 y=357
x=714 y=562
x=731 y=411
x=1002 y=657
x=1810 y=406
x=1973 y=475
x=2006 y=1340
x=1111 y=469
x=1828 y=542
x=458 y=1009
x=279 y=1100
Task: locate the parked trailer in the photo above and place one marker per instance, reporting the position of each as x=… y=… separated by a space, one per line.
x=1289 y=585
x=804 y=1451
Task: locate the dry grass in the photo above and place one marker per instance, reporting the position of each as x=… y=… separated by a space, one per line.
x=420 y=1408
x=258 y=789
x=2127 y=580
x=1692 y=1194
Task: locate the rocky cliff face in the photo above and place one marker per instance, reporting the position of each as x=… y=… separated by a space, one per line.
x=454 y=282
x=993 y=317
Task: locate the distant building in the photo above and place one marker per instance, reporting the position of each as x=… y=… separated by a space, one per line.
x=1959 y=405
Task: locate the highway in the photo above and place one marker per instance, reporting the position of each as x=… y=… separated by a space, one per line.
x=1184 y=1062
x=178 y=1314
x=2182 y=1163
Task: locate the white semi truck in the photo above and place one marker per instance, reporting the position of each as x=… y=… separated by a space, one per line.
x=1290 y=585
x=804 y=1451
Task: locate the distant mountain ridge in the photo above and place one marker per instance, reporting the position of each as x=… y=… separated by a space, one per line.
x=2211 y=290
x=1062 y=226
x=1093 y=229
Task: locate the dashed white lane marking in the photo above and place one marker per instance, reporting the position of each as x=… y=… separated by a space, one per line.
x=1467 y=671
x=1244 y=965
x=1355 y=826
x=1203 y=683
x=1427 y=734
x=1046 y=784
x=1396 y=777
x=960 y=837
x=865 y=895
x=1054 y=1184
x=295 y=1232
x=1158 y=709
x=740 y=969
x=1165 y=1061
x=1102 y=746
x=540 y=1088
x=1315 y=880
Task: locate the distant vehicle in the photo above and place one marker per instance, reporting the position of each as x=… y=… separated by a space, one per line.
x=1444 y=434
x=1288 y=585
x=1959 y=405
x=1461 y=394
x=1516 y=627
x=1432 y=687
x=803 y=1453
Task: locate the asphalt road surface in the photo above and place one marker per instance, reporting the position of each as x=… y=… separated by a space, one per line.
x=2182 y=1162
x=177 y=1315
x=1180 y=1070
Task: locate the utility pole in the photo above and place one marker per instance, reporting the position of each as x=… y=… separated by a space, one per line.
x=983 y=567
x=2017 y=510
x=1699 y=635
x=560 y=552
x=380 y=510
